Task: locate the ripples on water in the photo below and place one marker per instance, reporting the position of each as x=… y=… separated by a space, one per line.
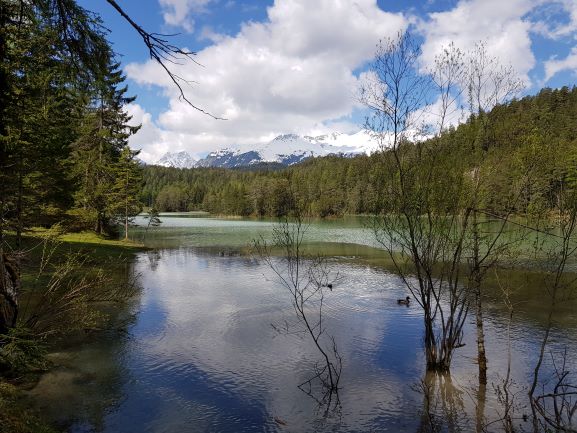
x=203 y=356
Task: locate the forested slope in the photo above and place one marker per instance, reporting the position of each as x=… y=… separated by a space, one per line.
x=526 y=148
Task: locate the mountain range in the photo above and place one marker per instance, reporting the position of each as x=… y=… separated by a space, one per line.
x=286 y=149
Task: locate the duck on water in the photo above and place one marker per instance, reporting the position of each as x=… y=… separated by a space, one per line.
x=406 y=301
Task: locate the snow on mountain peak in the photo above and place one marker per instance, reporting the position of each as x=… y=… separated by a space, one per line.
x=177 y=159
x=285 y=149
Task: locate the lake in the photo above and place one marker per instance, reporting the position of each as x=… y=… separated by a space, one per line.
x=201 y=349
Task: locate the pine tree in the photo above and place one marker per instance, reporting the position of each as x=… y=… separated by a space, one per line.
x=124 y=202
x=104 y=136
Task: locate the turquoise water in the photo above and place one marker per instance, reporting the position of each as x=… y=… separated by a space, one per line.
x=187 y=230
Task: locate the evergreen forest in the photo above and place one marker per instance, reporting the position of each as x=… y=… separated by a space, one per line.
x=64 y=152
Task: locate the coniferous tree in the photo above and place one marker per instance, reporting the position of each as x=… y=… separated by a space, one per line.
x=123 y=201
x=104 y=135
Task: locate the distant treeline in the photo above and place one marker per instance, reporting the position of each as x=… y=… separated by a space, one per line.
x=530 y=142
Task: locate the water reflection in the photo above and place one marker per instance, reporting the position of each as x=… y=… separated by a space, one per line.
x=85 y=386
x=203 y=357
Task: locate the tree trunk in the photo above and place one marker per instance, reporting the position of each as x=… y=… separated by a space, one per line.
x=475 y=283
x=481 y=354
x=9 y=288
x=19 y=200
x=126 y=209
x=437 y=361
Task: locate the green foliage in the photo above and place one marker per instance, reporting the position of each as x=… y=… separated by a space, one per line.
x=153 y=218
x=102 y=164
x=16 y=416
x=528 y=144
x=62 y=123
x=123 y=201
x=21 y=351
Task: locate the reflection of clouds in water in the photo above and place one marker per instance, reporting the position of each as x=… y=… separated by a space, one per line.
x=219 y=312
x=203 y=353
x=221 y=309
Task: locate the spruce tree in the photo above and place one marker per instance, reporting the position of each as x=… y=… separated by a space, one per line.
x=104 y=135
x=124 y=203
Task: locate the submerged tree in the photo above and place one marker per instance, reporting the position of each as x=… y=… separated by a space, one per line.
x=555 y=405
x=488 y=84
x=307 y=279
x=422 y=226
x=436 y=190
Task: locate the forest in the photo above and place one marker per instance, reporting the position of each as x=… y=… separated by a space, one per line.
x=533 y=136
x=64 y=139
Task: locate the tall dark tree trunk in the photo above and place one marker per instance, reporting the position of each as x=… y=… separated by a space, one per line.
x=9 y=288
x=9 y=273
x=476 y=278
x=19 y=200
x=481 y=353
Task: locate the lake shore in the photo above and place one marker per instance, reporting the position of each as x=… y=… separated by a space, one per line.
x=16 y=414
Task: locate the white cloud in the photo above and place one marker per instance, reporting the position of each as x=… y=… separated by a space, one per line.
x=292 y=73
x=297 y=71
x=178 y=13
x=500 y=24
x=547 y=23
x=553 y=66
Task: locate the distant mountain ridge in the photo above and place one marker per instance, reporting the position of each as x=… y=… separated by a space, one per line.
x=177 y=160
x=286 y=149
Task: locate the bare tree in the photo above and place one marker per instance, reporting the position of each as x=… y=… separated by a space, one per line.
x=422 y=226
x=431 y=219
x=488 y=84
x=507 y=394
x=555 y=407
x=164 y=53
x=394 y=91
x=306 y=278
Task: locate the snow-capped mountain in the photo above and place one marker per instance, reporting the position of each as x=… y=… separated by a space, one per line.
x=289 y=149
x=177 y=160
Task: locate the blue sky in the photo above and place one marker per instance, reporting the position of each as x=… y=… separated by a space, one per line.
x=294 y=66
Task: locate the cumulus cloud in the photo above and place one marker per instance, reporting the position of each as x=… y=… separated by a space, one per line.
x=292 y=73
x=298 y=71
x=502 y=25
x=553 y=66
x=546 y=20
x=178 y=13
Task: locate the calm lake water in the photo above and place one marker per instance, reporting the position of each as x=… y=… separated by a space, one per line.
x=200 y=352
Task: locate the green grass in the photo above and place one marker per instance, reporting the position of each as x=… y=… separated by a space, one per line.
x=100 y=250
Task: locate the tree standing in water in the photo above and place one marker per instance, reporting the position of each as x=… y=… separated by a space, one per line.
x=422 y=225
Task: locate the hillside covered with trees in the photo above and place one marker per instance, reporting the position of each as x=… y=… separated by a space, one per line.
x=530 y=141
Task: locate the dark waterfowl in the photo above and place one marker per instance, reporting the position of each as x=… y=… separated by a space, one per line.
x=405 y=301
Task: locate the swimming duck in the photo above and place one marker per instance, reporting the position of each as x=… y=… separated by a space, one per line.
x=405 y=301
